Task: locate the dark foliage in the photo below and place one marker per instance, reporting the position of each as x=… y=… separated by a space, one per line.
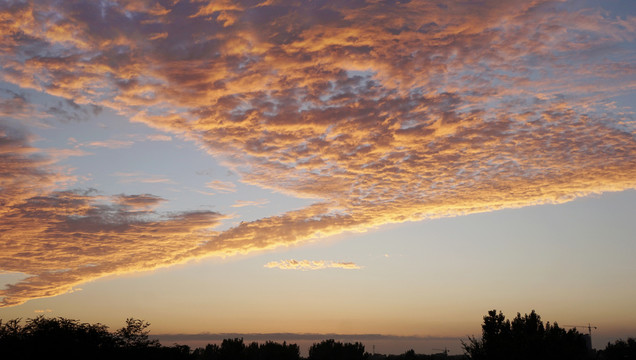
x=334 y=350
x=620 y=350
x=43 y=338
x=525 y=338
x=412 y=355
x=60 y=338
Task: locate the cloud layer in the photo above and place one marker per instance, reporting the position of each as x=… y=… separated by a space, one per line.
x=381 y=111
x=64 y=238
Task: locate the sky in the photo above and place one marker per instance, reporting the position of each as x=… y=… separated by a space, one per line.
x=386 y=171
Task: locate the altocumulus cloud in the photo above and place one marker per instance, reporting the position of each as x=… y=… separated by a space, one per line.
x=63 y=238
x=383 y=113
x=311 y=265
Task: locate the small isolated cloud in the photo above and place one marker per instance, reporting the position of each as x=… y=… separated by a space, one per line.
x=139 y=202
x=40 y=311
x=242 y=203
x=159 y=137
x=222 y=186
x=310 y=265
x=140 y=177
x=59 y=154
x=157 y=36
x=110 y=144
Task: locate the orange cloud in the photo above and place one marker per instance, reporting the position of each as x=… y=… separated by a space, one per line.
x=382 y=114
x=310 y=265
x=158 y=36
x=159 y=137
x=111 y=144
x=61 y=239
x=142 y=201
x=242 y=203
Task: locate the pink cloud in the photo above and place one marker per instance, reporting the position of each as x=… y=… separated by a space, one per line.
x=222 y=186
x=242 y=203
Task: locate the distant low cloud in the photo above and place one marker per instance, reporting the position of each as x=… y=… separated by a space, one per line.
x=311 y=265
x=315 y=337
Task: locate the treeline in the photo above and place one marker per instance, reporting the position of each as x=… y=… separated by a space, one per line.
x=525 y=337
x=60 y=338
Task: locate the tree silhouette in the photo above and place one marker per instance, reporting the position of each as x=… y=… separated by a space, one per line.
x=620 y=350
x=334 y=350
x=275 y=351
x=232 y=349
x=525 y=338
x=55 y=337
x=135 y=335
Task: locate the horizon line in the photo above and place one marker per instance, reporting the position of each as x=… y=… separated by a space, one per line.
x=298 y=336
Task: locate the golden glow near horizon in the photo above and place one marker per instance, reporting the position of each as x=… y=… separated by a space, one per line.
x=374 y=112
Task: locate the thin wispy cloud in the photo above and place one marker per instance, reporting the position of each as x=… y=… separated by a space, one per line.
x=140 y=177
x=140 y=202
x=60 y=154
x=159 y=137
x=243 y=203
x=221 y=186
x=381 y=113
x=110 y=144
x=311 y=265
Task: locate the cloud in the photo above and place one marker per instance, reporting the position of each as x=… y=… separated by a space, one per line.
x=61 y=239
x=221 y=186
x=316 y=337
x=59 y=154
x=242 y=203
x=110 y=143
x=380 y=113
x=140 y=177
x=311 y=265
x=159 y=137
x=158 y=36
x=139 y=202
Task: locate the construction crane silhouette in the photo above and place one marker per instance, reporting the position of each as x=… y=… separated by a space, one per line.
x=588 y=336
x=589 y=327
